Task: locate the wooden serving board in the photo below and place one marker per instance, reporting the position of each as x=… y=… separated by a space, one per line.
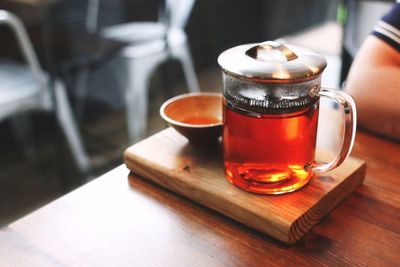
x=167 y=159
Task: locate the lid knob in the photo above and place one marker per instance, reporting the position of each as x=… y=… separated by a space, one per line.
x=271 y=51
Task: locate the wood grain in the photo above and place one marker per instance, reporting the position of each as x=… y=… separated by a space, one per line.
x=197 y=173
x=17 y=251
x=121 y=219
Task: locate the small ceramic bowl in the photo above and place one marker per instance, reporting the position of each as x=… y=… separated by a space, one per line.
x=197 y=116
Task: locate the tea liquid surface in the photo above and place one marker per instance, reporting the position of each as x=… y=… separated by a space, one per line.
x=267 y=154
x=201 y=120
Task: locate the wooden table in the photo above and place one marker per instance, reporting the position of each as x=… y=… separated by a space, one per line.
x=121 y=220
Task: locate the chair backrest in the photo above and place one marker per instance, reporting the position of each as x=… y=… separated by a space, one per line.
x=9 y=19
x=112 y=12
x=173 y=13
x=178 y=12
x=67 y=31
x=66 y=20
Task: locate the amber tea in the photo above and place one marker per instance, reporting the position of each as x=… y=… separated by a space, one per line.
x=199 y=120
x=271 y=103
x=268 y=153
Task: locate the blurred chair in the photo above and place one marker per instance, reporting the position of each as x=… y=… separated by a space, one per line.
x=150 y=44
x=361 y=17
x=25 y=87
x=73 y=50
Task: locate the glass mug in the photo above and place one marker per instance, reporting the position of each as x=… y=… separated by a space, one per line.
x=270 y=117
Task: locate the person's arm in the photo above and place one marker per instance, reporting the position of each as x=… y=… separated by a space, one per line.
x=374 y=82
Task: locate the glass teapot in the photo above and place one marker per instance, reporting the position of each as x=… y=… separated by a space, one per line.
x=271 y=104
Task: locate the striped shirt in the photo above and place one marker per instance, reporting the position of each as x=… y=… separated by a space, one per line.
x=388 y=28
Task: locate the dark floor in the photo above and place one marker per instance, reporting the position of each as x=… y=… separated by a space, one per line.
x=30 y=180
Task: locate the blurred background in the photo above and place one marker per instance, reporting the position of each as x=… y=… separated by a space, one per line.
x=88 y=77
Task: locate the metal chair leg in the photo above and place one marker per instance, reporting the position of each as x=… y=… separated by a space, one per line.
x=22 y=127
x=81 y=92
x=182 y=53
x=68 y=125
x=139 y=70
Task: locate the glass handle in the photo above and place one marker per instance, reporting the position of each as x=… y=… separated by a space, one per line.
x=348 y=107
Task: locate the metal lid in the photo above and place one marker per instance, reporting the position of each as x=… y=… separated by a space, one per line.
x=271 y=61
